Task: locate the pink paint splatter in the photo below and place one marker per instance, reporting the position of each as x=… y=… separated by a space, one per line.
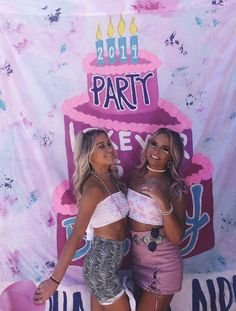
x=11 y=200
x=3 y=212
x=21 y=45
x=27 y=122
x=51 y=220
x=13 y=260
x=165 y=8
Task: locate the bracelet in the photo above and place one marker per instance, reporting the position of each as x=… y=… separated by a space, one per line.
x=166 y=213
x=55 y=281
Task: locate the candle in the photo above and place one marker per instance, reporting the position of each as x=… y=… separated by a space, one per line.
x=122 y=41
x=111 y=44
x=133 y=42
x=99 y=47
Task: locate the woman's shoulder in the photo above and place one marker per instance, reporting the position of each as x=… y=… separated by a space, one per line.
x=93 y=188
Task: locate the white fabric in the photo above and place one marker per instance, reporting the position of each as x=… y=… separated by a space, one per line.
x=143 y=209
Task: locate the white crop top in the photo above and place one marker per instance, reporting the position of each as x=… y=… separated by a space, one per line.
x=111 y=209
x=143 y=208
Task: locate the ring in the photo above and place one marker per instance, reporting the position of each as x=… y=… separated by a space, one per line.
x=40 y=301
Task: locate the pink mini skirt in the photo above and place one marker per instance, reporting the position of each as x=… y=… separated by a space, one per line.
x=159 y=271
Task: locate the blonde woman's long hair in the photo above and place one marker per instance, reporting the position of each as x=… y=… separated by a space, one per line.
x=84 y=147
x=178 y=185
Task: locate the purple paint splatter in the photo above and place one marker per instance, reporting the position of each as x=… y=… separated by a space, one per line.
x=6 y=182
x=13 y=260
x=45 y=140
x=227 y=223
x=6 y=69
x=53 y=18
x=174 y=41
x=217 y=2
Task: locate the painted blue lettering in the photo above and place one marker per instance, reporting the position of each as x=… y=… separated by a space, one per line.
x=234 y=285
x=197 y=221
x=110 y=95
x=98 y=85
x=120 y=89
x=133 y=77
x=53 y=302
x=212 y=293
x=77 y=302
x=68 y=225
x=198 y=297
x=221 y=284
x=144 y=85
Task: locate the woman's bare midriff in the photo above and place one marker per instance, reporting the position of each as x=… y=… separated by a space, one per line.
x=114 y=231
x=140 y=227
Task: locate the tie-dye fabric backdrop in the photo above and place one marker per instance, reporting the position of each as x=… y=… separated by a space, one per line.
x=130 y=67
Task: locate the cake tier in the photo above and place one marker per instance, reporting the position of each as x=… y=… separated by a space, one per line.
x=128 y=137
x=127 y=87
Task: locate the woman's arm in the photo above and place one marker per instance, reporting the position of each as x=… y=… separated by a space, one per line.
x=173 y=210
x=174 y=223
x=90 y=198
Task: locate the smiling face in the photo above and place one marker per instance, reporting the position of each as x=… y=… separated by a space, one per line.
x=103 y=155
x=158 y=151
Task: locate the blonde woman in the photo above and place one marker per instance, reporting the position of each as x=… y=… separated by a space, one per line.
x=102 y=207
x=157 y=220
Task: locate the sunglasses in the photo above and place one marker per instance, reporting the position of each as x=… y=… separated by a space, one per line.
x=154 y=145
x=150 y=241
x=153 y=244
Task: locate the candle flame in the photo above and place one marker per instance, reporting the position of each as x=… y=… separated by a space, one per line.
x=133 y=27
x=121 y=26
x=110 y=31
x=99 y=33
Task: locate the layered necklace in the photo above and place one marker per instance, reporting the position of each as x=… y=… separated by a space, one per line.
x=155 y=170
x=103 y=182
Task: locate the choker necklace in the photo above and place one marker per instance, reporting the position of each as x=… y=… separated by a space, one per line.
x=155 y=170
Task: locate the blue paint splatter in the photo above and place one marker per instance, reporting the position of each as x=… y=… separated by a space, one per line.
x=2 y=105
x=233 y=115
x=181 y=68
x=208 y=139
x=221 y=259
x=199 y=21
x=215 y=22
x=34 y=196
x=63 y=48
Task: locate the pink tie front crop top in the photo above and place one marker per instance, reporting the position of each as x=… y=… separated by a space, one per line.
x=143 y=209
x=111 y=209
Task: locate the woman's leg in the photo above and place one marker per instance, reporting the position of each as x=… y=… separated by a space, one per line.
x=95 y=305
x=120 y=304
x=151 y=302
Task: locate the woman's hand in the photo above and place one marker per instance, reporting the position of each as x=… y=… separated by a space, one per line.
x=44 y=291
x=158 y=192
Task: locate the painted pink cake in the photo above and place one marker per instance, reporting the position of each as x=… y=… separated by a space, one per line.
x=124 y=99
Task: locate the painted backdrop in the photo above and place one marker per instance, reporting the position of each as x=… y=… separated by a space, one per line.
x=130 y=67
